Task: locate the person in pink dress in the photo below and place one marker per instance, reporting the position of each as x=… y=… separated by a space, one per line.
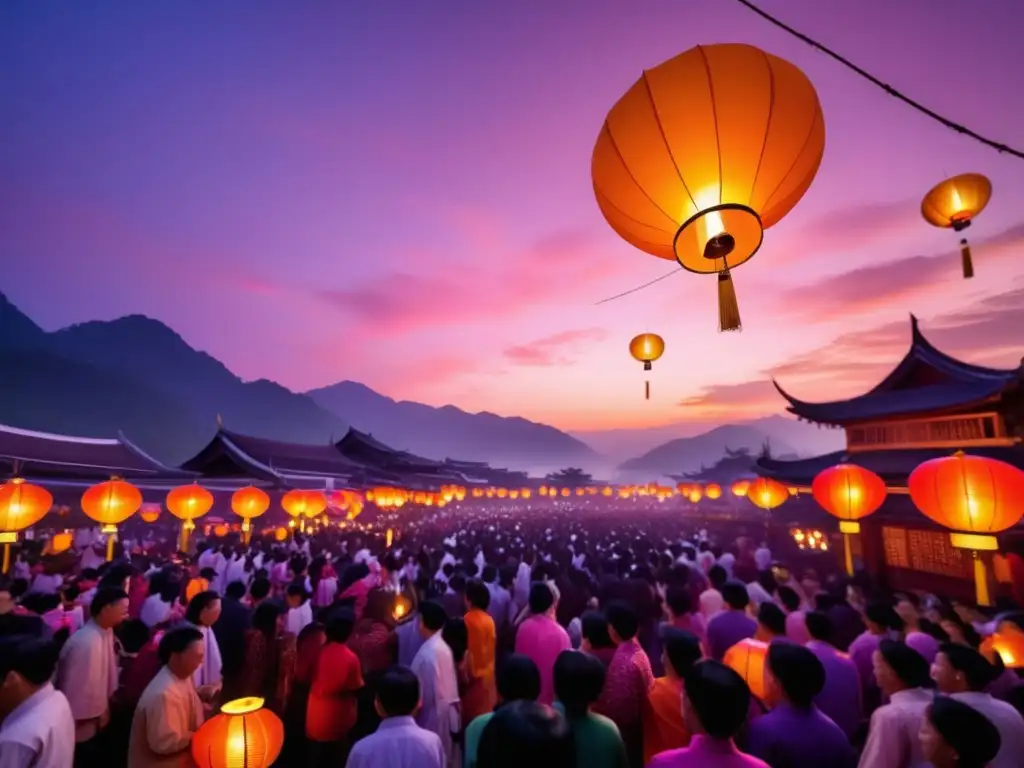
x=540 y=638
x=715 y=705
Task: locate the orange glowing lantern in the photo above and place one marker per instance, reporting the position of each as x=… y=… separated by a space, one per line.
x=243 y=735
x=767 y=493
x=1007 y=643
x=747 y=658
x=22 y=505
x=194 y=587
x=188 y=503
x=61 y=542
x=220 y=530
x=281 y=534
x=975 y=497
x=713 y=491
x=848 y=492
x=646 y=348
x=740 y=488
x=110 y=504
x=566 y=492
x=249 y=503
x=150 y=512
x=953 y=204
x=695 y=494
x=305 y=505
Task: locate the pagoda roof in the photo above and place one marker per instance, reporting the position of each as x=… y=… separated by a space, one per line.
x=44 y=454
x=233 y=454
x=893 y=466
x=926 y=380
x=364 y=447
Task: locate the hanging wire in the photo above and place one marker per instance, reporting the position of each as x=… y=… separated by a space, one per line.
x=675 y=271
x=961 y=129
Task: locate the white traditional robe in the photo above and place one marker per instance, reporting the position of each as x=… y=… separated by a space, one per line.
x=210 y=671
x=87 y=676
x=297 y=619
x=439 y=691
x=39 y=732
x=168 y=714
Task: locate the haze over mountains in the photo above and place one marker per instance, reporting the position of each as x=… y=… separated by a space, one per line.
x=137 y=376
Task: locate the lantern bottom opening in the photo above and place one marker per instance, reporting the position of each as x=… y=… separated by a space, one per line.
x=975 y=541
x=849 y=526
x=728 y=232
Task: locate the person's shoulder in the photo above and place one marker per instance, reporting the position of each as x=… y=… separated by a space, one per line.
x=604 y=724
x=669 y=758
x=478 y=723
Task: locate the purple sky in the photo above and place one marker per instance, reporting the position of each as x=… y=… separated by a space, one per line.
x=399 y=193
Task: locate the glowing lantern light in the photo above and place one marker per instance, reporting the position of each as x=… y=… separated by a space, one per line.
x=243 y=735
x=22 y=505
x=1007 y=643
x=188 y=503
x=280 y=534
x=953 y=204
x=646 y=348
x=767 y=493
x=974 y=497
x=305 y=505
x=249 y=503
x=740 y=488
x=61 y=542
x=150 y=512
x=110 y=504
x=704 y=153
x=713 y=491
x=747 y=658
x=565 y=492
x=696 y=494
x=848 y=492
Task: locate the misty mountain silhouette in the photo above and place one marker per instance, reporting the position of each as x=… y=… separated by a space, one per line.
x=137 y=376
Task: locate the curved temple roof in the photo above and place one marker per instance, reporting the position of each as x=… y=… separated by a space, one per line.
x=925 y=380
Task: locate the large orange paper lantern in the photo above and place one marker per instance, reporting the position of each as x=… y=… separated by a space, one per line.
x=310 y=504
x=713 y=491
x=243 y=735
x=188 y=503
x=110 y=504
x=747 y=658
x=703 y=153
x=973 y=496
x=953 y=204
x=740 y=488
x=646 y=348
x=767 y=493
x=850 y=493
x=1007 y=643
x=22 y=505
x=249 y=503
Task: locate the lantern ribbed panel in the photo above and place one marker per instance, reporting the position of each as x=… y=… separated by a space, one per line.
x=972 y=494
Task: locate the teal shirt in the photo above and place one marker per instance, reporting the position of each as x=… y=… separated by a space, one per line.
x=598 y=742
x=471 y=742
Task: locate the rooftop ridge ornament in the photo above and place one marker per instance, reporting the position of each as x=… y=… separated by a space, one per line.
x=703 y=153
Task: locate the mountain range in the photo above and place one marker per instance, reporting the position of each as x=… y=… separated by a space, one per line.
x=136 y=376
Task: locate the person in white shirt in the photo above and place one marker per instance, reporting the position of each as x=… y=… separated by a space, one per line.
x=300 y=612
x=434 y=665
x=38 y=729
x=399 y=742
x=962 y=673
x=955 y=735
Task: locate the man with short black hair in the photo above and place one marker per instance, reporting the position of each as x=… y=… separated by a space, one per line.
x=541 y=638
x=733 y=624
x=526 y=734
x=840 y=698
x=37 y=728
x=434 y=665
x=398 y=742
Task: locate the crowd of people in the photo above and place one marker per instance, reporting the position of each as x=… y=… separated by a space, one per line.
x=493 y=636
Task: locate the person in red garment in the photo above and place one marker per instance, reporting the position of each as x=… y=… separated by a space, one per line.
x=333 y=697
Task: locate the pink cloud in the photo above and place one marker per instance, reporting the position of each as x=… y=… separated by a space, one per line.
x=557 y=349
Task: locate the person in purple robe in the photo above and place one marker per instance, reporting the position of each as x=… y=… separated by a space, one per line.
x=882 y=622
x=795 y=733
x=840 y=698
x=733 y=624
x=908 y=607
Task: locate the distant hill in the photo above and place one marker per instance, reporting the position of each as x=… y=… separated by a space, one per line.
x=688 y=454
x=137 y=376
x=448 y=431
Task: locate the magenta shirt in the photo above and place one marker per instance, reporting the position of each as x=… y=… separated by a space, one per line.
x=705 y=752
x=796 y=628
x=541 y=639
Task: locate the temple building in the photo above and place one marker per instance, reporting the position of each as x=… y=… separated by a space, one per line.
x=929 y=406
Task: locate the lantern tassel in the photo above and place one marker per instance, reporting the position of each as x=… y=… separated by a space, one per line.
x=849 y=554
x=965 y=258
x=728 y=308
x=647 y=390
x=981 y=592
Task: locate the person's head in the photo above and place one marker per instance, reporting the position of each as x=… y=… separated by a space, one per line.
x=208 y=574
x=525 y=733
x=518 y=679
x=296 y=595
x=398 y=693
x=203 y=609
x=622 y=622
x=109 y=607
x=717 y=575
x=956 y=735
x=792 y=674
x=26 y=664
x=477 y=595
x=594 y=631
x=579 y=679
x=542 y=599
x=182 y=650
x=819 y=626
x=898 y=667
x=259 y=589
x=680 y=650
x=678 y=602
x=235 y=590
x=268 y=618
x=735 y=595
x=908 y=607
x=789 y=598
x=340 y=625
x=880 y=617
x=716 y=700
x=432 y=618
x=958 y=668
x=771 y=622
x=456 y=637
